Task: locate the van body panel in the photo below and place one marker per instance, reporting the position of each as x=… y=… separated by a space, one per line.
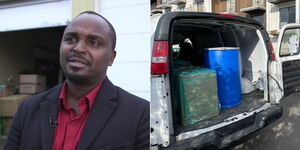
x=287 y=64
x=220 y=139
x=161 y=117
x=213 y=30
x=228 y=121
x=275 y=82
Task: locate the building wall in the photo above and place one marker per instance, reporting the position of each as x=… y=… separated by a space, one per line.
x=24 y=28
x=54 y=13
x=18 y=38
x=131 y=20
x=79 y=6
x=222 y=6
x=242 y=4
x=219 y=6
x=274 y=16
x=273 y=19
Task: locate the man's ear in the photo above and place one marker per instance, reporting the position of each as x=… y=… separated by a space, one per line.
x=112 y=57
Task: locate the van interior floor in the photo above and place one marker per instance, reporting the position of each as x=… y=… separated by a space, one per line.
x=250 y=101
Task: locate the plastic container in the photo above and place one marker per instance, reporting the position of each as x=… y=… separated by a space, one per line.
x=225 y=61
x=196 y=94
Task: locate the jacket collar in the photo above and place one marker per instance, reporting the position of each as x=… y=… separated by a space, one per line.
x=104 y=105
x=49 y=112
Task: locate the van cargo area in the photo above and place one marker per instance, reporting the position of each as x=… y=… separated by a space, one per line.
x=192 y=37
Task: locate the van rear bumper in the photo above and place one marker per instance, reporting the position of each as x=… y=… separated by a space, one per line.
x=225 y=136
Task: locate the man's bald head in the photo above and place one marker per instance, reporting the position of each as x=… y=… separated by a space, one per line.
x=112 y=30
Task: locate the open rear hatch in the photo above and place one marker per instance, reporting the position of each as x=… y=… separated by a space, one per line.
x=202 y=34
x=182 y=41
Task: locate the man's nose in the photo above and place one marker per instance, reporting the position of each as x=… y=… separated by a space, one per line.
x=79 y=47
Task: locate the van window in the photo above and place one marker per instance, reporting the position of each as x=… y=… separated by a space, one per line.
x=290 y=43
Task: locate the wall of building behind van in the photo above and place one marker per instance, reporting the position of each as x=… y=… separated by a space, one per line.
x=273 y=20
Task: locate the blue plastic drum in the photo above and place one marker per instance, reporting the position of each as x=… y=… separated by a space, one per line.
x=225 y=61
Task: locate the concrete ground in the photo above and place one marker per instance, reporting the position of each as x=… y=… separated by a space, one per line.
x=283 y=135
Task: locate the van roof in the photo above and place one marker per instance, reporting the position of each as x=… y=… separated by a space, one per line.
x=163 y=26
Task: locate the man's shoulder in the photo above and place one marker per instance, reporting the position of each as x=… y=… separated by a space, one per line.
x=130 y=98
x=132 y=105
x=38 y=98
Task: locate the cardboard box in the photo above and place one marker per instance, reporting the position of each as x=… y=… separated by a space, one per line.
x=32 y=79
x=9 y=104
x=32 y=83
x=4 y=91
x=31 y=88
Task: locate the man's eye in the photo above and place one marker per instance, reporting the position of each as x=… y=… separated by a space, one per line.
x=94 y=43
x=70 y=39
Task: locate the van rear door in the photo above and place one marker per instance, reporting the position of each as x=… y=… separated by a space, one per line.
x=163 y=129
x=285 y=70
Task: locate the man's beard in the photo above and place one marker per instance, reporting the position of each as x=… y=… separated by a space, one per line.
x=77 y=79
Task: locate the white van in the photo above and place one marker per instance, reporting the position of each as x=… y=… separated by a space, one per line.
x=266 y=77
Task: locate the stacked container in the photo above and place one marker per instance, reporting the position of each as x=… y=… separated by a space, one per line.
x=196 y=90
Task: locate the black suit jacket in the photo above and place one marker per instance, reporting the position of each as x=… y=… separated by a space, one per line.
x=117 y=121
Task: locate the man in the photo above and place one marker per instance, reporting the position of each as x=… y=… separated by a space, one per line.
x=87 y=112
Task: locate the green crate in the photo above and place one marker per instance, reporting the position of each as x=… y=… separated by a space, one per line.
x=196 y=94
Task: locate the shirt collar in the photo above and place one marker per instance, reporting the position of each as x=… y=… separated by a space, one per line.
x=91 y=96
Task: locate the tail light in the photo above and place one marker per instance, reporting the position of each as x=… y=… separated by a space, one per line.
x=159 y=60
x=271 y=48
x=226 y=15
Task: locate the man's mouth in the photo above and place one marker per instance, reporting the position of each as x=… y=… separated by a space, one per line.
x=77 y=62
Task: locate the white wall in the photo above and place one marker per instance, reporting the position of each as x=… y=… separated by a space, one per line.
x=131 y=20
x=35 y=16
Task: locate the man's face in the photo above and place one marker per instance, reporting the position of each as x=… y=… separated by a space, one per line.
x=86 y=49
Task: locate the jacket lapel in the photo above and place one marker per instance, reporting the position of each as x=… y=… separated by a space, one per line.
x=49 y=110
x=101 y=112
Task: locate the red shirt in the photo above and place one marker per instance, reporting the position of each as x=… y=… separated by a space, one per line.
x=70 y=124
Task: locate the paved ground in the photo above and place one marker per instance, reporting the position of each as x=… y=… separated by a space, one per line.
x=283 y=135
